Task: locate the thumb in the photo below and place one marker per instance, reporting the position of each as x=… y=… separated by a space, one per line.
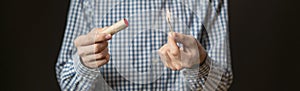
x=174 y=49
x=186 y=40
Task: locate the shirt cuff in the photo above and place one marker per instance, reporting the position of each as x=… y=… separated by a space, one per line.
x=205 y=67
x=83 y=70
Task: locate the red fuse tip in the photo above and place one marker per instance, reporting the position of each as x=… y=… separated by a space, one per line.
x=126 y=22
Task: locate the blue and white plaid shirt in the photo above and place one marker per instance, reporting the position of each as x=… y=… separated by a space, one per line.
x=134 y=64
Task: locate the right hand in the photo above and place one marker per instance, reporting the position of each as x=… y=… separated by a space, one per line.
x=92 y=48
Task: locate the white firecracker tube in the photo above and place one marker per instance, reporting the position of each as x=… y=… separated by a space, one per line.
x=118 y=26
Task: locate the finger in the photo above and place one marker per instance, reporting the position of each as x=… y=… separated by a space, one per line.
x=97 y=31
x=92 y=49
x=85 y=40
x=165 y=57
x=107 y=56
x=97 y=63
x=81 y=41
x=188 y=41
x=161 y=55
x=101 y=55
x=175 y=61
x=95 y=57
x=101 y=62
x=166 y=61
x=95 y=36
x=105 y=61
x=174 y=53
x=174 y=49
x=100 y=47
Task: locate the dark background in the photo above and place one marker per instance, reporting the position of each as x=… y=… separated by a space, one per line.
x=264 y=44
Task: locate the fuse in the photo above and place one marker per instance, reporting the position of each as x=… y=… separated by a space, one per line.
x=168 y=17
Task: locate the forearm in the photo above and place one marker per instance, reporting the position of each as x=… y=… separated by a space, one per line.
x=216 y=73
x=72 y=75
x=208 y=77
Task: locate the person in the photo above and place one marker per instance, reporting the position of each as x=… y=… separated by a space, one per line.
x=195 y=56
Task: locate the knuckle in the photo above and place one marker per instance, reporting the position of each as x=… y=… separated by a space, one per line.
x=103 y=45
x=100 y=46
x=100 y=36
x=106 y=61
x=97 y=47
x=189 y=55
x=80 y=53
x=107 y=56
x=97 y=51
x=164 y=52
x=105 y=50
x=84 y=60
x=99 y=63
x=100 y=56
x=76 y=41
x=175 y=54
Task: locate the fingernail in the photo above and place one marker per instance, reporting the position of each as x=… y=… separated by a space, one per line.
x=108 y=36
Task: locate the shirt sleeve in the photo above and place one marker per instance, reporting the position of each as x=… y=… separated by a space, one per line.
x=215 y=74
x=72 y=75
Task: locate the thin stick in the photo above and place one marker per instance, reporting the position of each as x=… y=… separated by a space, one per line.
x=169 y=21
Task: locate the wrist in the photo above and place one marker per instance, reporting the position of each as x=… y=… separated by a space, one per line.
x=203 y=56
x=202 y=53
x=84 y=71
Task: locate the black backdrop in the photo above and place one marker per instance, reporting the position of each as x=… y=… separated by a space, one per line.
x=263 y=44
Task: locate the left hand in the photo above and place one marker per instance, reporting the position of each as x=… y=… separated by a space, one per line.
x=176 y=58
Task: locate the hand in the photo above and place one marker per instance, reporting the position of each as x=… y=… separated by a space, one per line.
x=92 y=48
x=177 y=58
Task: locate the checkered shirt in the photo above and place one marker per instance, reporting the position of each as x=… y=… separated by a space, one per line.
x=134 y=64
